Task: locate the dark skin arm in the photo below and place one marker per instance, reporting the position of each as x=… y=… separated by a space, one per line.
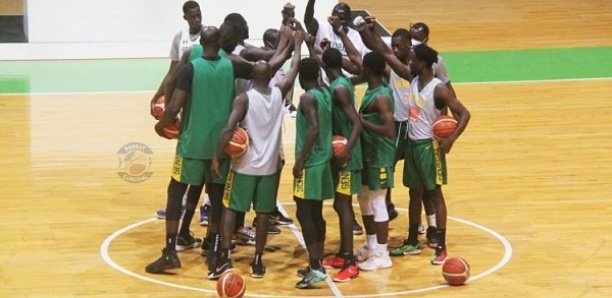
x=256 y=54
x=287 y=82
x=444 y=97
x=312 y=26
x=342 y=98
x=308 y=105
x=179 y=97
x=353 y=64
x=239 y=109
x=373 y=40
x=162 y=86
x=170 y=80
x=382 y=105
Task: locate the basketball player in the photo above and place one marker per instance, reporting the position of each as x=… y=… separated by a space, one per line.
x=376 y=113
x=425 y=163
x=313 y=180
x=204 y=90
x=253 y=178
x=347 y=166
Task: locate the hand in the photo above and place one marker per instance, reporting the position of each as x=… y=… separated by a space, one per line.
x=160 y=130
x=298 y=37
x=310 y=40
x=325 y=44
x=286 y=31
x=340 y=161
x=297 y=169
x=336 y=23
x=214 y=168
x=445 y=145
x=152 y=107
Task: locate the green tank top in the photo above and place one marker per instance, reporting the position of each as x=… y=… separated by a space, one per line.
x=322 y=150
x=207 y=109
x=342 y=126
x=198 y=51
x=378 y=150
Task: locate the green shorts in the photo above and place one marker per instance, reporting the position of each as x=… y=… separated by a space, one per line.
x=401 y=140
x=197 y=171
x=378 y=178
x=347 y=182
x=424 y=166
x=316 y=183
x=241 y=190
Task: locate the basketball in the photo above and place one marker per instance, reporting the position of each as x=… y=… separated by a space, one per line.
x=444 y=126
x=231 y=285
x=339 y=144
x=159 y=107
x=456 y=271
x=172 y=129
x=239 y=144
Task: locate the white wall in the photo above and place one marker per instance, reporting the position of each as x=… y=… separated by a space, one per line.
x=86 y=29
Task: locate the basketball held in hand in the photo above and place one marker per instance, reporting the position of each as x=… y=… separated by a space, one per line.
x=444 y=126
x=239 y=144
x=339 y=144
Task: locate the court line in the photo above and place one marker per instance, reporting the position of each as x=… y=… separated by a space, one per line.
x=505 y=259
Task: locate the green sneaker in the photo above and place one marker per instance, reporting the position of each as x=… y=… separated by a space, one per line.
x=313 y=276
x=406 y=249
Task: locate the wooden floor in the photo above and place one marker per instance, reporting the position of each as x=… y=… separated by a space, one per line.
x=533 y=168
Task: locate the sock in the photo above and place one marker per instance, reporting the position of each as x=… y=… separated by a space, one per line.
x=315 y=264
x=348 y=257
x=171 y=242
x=257 y=259
x=431 y=220
x=413 y=232
x=371 y=241
x=382 y=249
x=441 y=236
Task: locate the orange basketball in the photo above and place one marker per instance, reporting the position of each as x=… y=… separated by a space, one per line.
x=239 y=144
x=339 y=144
x=231 y=285
x=159 y=107
x=172 y=129
x=456 y=271
x=444 y=126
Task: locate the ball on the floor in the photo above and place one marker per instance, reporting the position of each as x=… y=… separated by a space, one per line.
x=231 y=285
x=239 y=144
x=456 y=271
x=444 y=126
x=339 y=144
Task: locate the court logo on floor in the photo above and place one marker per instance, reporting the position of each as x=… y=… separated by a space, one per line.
x=135 y=162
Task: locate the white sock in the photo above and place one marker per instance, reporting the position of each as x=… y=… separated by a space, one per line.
x=382 y=249
x=371 y=241
x=431 y=220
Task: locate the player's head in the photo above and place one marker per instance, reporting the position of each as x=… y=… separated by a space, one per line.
x=343 y=11
x=242 y=23
x=420 y=33
x=308 y=70
x=210 y=38
x=230 y=36
x=373 y=65
x=270 y=38
x=262 y=72
x=422 y=57
x=193 y=15
x=332 y=59
x=400 y=43
x=288 y=12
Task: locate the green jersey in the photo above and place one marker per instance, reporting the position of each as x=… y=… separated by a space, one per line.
x=378 y=150
x=198 y=51
x=207 y=109
x=321 y=152
x=341 y=124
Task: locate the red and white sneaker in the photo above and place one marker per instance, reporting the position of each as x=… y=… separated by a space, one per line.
x=439 y=256
x=333 y=262
x=347 y=274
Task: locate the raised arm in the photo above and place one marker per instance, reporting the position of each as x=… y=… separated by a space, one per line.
x=308 y=105
x=288 y=80
x=239 y=109
x=373 y=40
x=382 y=104
x=312 y=26
x=444 y=97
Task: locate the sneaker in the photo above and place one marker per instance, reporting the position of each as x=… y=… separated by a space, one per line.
x=376 y=261
x=439 y=256
x=406 y=249
x=245 y=236
x=392 y=213
x=357 y=229
x=161 y=213
x=221 y=269
x=204 y=213
x=258 y=270
x=347 y=274
x=279 y=218
x=187 y=242
x=334 y=262
x=303 y=272
x=168 y=260
x=421 y=229
x=432 y=241
x=362 y=253
x=314 y=276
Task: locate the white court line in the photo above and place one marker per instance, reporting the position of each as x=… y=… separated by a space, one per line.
x=505 y=259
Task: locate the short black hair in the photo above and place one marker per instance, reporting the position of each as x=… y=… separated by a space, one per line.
x=375 y=62
x=420 y=26
x=271 y=35
x=309 y=69
x=190 y=5
x=240 y=20
x=402 y=33
x=427 y=54
x=332 y=58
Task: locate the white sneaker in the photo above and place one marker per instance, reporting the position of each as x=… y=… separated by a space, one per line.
x=384 y=261
x=371 y=264
x=362 y=253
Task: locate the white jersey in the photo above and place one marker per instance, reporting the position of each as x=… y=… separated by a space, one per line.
x=183 y=41
x=401 y=96
x=423 y=111
x=327 y=31
x=263 y=122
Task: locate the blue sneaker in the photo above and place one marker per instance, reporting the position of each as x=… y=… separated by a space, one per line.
x=204 y=213
x=313 y=276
